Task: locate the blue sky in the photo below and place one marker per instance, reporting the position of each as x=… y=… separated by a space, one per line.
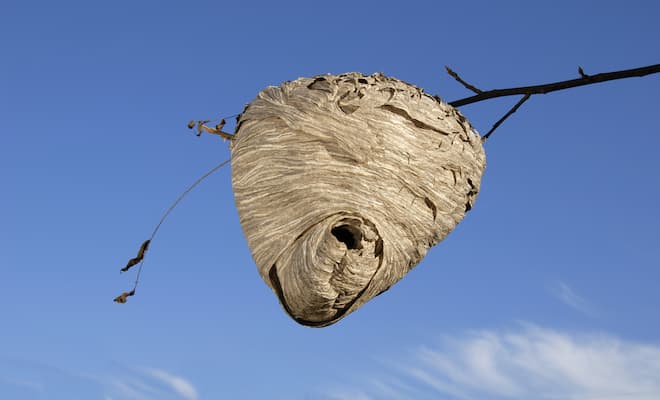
x=548 y=288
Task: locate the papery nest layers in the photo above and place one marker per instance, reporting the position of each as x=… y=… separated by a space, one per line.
x=343 y=183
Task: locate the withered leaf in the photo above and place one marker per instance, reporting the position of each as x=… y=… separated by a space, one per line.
x=139 y=257
x=200 y=126
x=121 y=299
x=217 y=130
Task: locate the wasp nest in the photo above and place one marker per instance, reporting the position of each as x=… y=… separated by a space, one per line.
x=344 y=182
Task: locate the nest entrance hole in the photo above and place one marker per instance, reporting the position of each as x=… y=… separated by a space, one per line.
x=349 y=235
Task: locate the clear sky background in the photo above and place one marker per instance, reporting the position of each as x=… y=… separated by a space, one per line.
x=548 y=289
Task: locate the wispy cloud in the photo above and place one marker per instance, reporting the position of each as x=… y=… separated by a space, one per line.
x=180 y=385
x=347 y=395
x=146 y=383
x=530 y=362
x=35 y=379
x=568 y=296
x=32 y=386
x=126 y=389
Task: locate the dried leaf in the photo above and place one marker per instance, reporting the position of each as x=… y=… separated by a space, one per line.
x=217 y=130
x=121 y=299
x=139 y=257
x=207 y=129
x=200 y=126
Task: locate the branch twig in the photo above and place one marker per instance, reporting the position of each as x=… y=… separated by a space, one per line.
x=552 y=87
x=462 y=82
x=581 y=72
x=511 y=111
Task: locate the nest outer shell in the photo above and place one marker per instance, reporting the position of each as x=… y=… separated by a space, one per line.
x=343 y=183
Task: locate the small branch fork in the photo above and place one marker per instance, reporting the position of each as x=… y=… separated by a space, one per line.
x=511 y=111
x=528 y=91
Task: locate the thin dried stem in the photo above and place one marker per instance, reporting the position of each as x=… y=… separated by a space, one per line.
x=145 y=245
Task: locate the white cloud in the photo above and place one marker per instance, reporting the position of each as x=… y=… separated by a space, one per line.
x=126 y=383
x=530 y=362
x=567 y=296
x=181 y=386
x=26 y=384
x=143 y=383
x=126 y=389
x=349 y=395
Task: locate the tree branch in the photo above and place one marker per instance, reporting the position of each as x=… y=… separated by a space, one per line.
x=461 y=81
x=511 y=111
x=552 y=87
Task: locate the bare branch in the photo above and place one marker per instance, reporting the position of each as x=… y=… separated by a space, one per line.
x=511 y=111
x=581 y=72
x=461 y=81
x=552 y=87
